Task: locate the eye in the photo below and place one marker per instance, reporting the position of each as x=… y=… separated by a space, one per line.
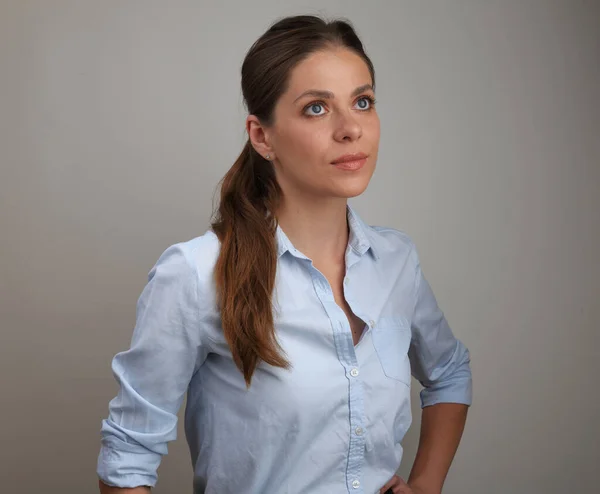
x=365 y=103
x=312 y=110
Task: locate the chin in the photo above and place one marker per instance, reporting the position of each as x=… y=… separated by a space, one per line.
x=352 y=184
x=351 y=189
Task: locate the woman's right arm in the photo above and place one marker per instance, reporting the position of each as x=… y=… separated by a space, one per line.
x=107 y=489
x=153 y=375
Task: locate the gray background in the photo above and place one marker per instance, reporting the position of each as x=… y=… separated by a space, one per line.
x=117 y=119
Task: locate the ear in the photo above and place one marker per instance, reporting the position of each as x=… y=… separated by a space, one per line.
x=259 y=137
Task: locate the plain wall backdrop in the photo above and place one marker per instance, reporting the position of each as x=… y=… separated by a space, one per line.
x=118 y=118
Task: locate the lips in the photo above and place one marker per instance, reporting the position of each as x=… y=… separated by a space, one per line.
x=347 y=158
x=351 y=162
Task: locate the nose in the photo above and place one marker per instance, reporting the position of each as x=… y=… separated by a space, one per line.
x=347 y=128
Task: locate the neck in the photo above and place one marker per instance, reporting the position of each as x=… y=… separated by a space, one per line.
x=318 y=229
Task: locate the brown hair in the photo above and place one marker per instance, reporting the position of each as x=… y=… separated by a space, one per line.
x=245 y=221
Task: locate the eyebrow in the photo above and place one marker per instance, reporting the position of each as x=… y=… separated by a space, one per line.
x=329 y=95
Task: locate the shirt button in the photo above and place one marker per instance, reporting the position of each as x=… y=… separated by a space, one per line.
x=356 y=484
x=354 y=372
x=359 y=431
x=372 y=323
x=345 y=281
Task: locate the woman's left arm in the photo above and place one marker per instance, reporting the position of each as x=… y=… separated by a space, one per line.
x=442 y=426
x=441 y=363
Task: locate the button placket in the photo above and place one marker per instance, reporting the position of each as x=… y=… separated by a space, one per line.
x=347 y=356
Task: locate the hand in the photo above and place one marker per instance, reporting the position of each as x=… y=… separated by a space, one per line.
x=397 y=486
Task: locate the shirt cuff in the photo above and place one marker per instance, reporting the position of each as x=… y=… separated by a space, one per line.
x=121 y=466
x=459 y=390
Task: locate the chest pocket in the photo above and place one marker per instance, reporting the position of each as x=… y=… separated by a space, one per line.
x=391 y=339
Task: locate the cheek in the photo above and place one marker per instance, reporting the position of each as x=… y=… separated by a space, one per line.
x=373 y=128
x=305 y=142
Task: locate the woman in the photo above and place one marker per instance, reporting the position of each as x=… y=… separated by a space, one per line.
x=291 y=324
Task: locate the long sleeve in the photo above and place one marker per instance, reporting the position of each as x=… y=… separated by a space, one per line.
x=153 y=374
x=439 y=361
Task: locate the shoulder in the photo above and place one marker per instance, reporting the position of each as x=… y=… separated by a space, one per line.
x=391 y=243
x=200 y=252
x=192 y=259
x=197 y=252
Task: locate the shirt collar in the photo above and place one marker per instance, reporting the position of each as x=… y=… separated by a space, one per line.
x=359 y=240
x=283 y=242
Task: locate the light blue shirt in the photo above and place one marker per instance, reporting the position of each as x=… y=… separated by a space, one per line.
x=333 y=423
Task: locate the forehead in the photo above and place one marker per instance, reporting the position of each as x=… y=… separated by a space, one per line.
x=336 y=69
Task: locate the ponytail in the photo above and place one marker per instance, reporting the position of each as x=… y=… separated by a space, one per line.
x=246 y=266
x=245 y=221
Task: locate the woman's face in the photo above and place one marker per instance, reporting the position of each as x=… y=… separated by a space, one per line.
x=326 y=113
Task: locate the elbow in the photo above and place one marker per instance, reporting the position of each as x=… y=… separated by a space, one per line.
x=108 y=489
x=454 y=385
